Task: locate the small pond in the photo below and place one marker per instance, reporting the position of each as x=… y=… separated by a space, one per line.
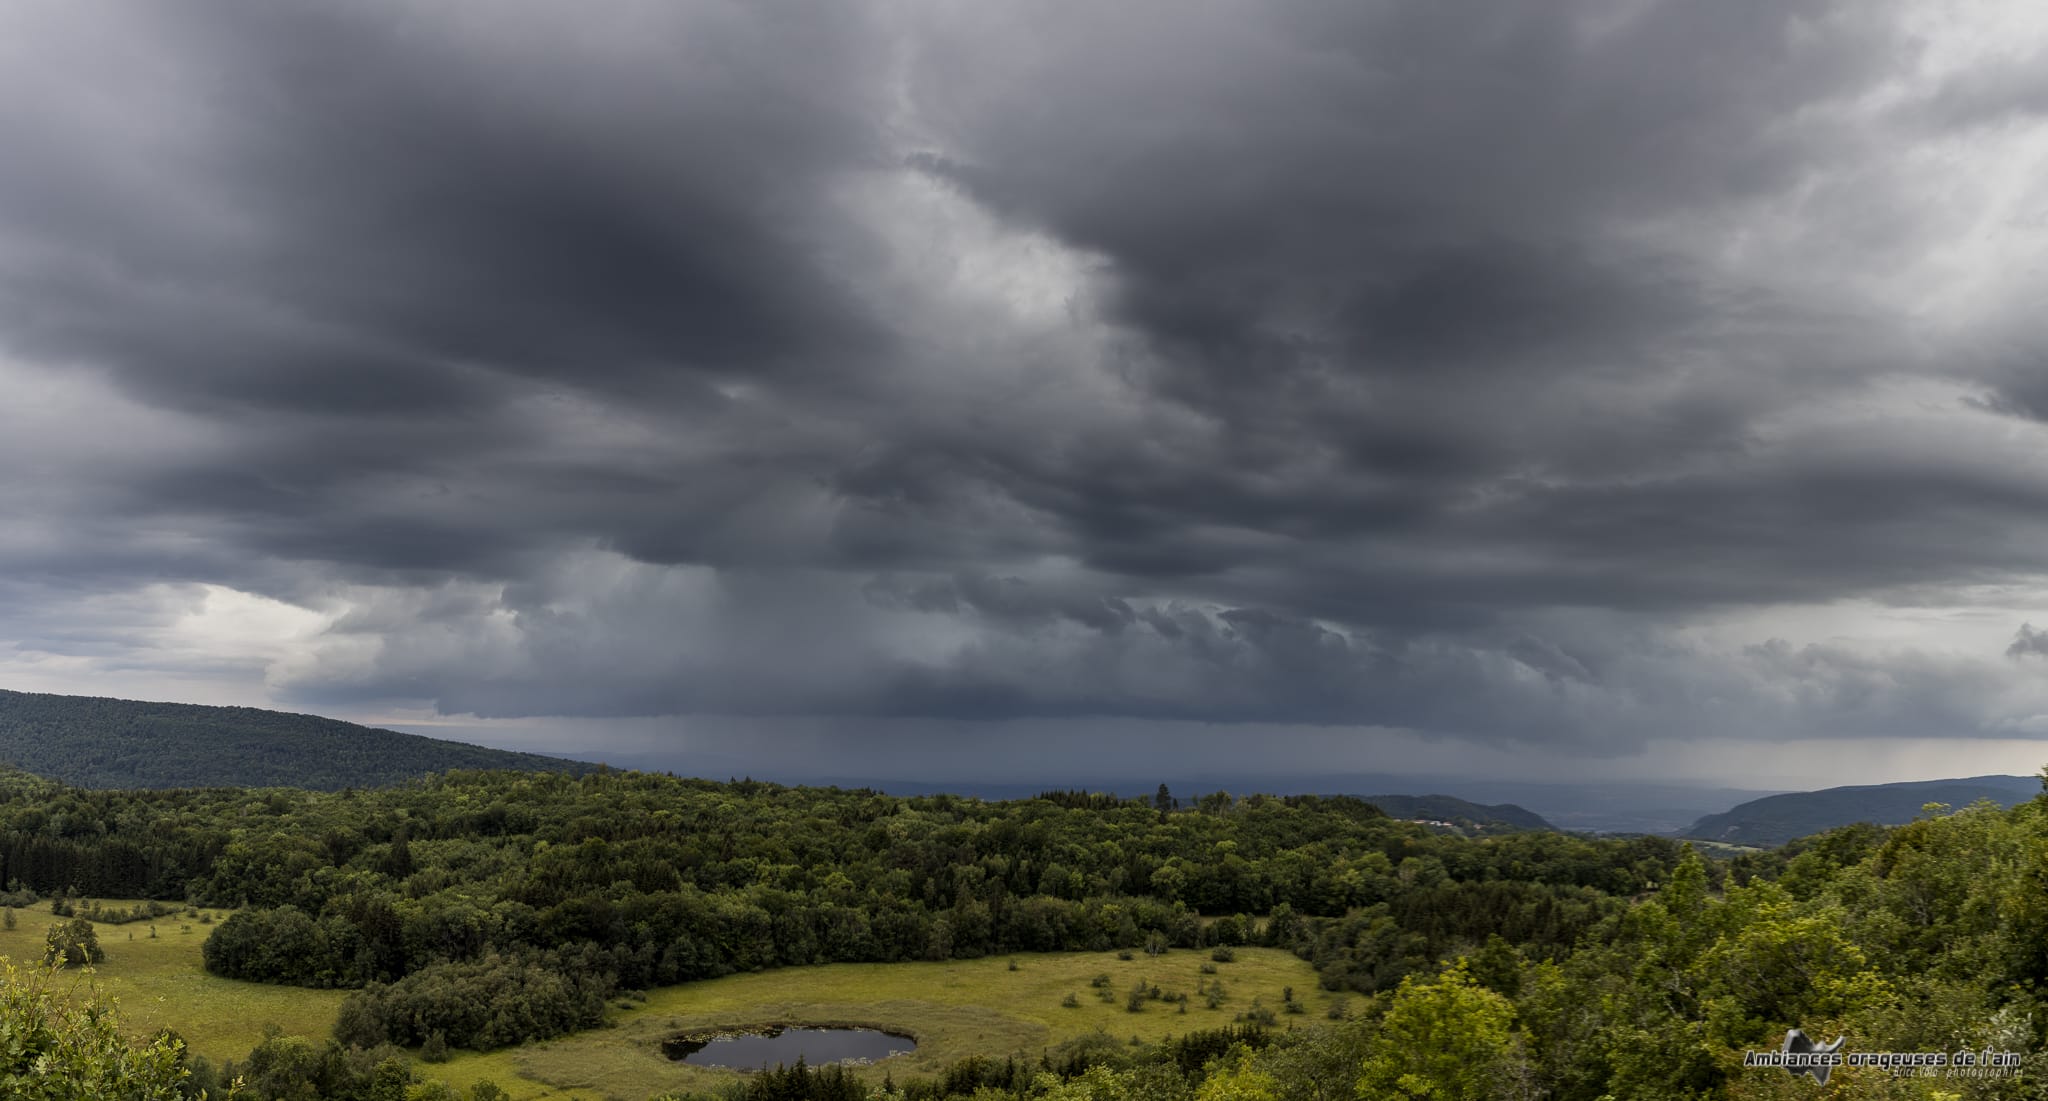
x=771 y=1046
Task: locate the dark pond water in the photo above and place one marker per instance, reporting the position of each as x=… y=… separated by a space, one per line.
x=817 y=1046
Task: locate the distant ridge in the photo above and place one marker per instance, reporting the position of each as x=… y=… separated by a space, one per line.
x=1776 y=819
x=1585 y=806
x=92 y=742
x=1458 y=812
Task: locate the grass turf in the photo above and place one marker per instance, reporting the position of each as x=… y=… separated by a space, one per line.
x=953 y=1009
x=158 y=982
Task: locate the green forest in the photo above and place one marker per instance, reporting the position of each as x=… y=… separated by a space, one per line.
x=109 y=743
x=475 y=910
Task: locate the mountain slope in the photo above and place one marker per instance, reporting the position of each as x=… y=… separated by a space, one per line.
x=1446 y=808
x=1776 y=819
x=107 y=743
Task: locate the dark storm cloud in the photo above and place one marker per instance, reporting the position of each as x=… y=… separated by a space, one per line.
x=1407 y=370
x=397 y=193
x=1388 y=254
x=362 y=233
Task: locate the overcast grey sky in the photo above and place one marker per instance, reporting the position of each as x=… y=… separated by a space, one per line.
x=1621 y=388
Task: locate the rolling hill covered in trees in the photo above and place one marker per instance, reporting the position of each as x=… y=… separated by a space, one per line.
x=106 y=743
x=1447 y=808
x=481 y=909
x=1777 y=819
x=540 y=892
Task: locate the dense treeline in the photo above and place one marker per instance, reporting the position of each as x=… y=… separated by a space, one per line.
x=483 y=909
x=487 y=1003
x=1926 y=938
x=650 y=880
x=108 y=743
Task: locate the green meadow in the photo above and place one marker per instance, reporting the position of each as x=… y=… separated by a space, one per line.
x=953 y=1009
x=158 y=982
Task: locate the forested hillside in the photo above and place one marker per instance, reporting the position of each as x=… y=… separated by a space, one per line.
x=546 y=890
x=106 y=743
x=1776 y=819
x=1460 y=812
x=484 y=909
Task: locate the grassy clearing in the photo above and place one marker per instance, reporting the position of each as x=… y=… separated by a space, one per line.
x=954 y=1009
x=1722 y=848
x=159 y=983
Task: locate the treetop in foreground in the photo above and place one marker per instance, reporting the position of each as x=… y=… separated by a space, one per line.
x=67 y=1046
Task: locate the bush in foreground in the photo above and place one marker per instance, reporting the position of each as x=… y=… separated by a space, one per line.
x=61 y=1048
